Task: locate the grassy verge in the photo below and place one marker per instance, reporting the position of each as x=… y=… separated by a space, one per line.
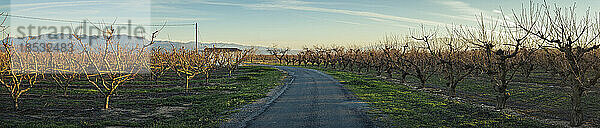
x=539 y=96
x=163 y=106
x=399 y=106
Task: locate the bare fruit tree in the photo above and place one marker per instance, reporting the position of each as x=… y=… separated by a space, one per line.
x=394 y=50
x=19 y=71
x=572 y=41
x=65 y=71
x=159 y=63
x=420 y=58
x=279 y=53
x=456 y=62
x=497 y=44
x=110 y=65
x=236 y=59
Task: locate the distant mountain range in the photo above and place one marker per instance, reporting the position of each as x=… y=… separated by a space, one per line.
x=133 y=41
x=191 y=44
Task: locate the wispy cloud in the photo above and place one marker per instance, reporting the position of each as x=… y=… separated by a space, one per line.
x=389 y=22
x=348 y=22
x=43 y=5
x=461 y=7
x=168 y=9
x=295 y=2
x=377 y=19
x=460 y=10
x=465 y=11
x=457 y=17
x=327 y=10
x=49 y=3
x=179 y=19
x=332 y=20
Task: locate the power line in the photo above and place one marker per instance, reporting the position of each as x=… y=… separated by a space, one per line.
x=73 y=21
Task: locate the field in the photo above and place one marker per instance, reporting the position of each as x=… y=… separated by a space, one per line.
x=536 y=66
x=397 y=104
x=538 y=62
x=538 y=96
x=142 y=102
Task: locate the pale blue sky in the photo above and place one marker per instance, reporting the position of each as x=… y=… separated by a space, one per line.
x=292 y=23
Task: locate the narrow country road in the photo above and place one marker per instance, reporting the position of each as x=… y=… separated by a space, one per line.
x=313 y=99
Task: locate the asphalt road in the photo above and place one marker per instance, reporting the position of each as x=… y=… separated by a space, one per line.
x=313 y=99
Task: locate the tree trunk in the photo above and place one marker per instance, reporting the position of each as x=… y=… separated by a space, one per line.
x=187 y=84
x=380 y=70
x=576 y=111
x=360 y=68
x=422 y=82
x=502 y=97
x=107 y=102
x=65 y=91
x=451 y=89
x=422 y=79
x=403 y=77
x=502 y=85
x=207 y=76
x=17 y=103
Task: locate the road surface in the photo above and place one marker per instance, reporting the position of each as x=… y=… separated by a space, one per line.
x=313 y=99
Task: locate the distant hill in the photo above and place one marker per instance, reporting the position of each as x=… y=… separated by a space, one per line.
x=191 y=44
x=133 y=41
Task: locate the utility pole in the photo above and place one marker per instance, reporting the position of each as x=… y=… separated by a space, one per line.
x=196 y=36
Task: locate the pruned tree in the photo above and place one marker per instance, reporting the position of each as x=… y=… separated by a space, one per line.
x=278 y=53
x=498 y=43
x=208 y=60
x=19 y=69
x=571 y=40
x=236 y=59
x=394 y=49
x=159 y=63
x=188 y=64
x=456 y=62
x=65 y=69
x=110 y=65
x=420 y=57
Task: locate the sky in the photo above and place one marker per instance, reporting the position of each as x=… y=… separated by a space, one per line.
x=285 y=23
